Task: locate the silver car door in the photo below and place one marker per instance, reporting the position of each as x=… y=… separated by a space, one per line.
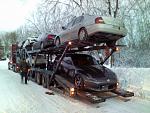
x=65 y=36
x=70 y=31
x=77 y=25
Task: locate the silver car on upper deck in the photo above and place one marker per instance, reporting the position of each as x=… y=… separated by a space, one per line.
x=92 y=28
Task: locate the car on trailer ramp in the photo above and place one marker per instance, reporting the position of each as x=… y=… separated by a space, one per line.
x=93 y=28
x=87 y=73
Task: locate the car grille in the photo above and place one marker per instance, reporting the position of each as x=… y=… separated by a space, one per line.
x=106 y=87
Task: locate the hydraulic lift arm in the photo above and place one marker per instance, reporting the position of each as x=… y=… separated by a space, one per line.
x=112 y=51
x=58 y=63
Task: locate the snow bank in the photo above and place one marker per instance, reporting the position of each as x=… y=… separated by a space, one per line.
x=4 y=64
x=135 y=79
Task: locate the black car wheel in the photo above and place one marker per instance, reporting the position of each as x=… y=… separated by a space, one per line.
x=57 y=42
x=79 y=82
x=82 y=35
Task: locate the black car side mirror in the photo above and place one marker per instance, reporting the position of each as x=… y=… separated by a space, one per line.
x=64 y=28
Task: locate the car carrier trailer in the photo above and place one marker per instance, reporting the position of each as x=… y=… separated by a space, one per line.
x=48 y=77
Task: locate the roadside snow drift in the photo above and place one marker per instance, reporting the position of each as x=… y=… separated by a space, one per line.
x=135 y=79
x=16 y=97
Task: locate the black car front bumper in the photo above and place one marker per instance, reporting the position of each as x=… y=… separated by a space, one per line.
x=100 y=86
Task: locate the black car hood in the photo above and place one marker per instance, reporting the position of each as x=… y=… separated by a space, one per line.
x=95 y=71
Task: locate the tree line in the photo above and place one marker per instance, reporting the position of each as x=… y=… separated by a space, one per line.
x=51 y=15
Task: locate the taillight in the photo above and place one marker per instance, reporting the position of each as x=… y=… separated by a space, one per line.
x=99 y=20
x=50 y=37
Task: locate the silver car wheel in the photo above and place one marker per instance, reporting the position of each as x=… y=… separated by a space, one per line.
x=83 y=34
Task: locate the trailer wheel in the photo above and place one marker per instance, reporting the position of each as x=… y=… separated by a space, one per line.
x=13 y=68
x=79 y=82
x=44 y=83
x=39 y=78
x=8 y=66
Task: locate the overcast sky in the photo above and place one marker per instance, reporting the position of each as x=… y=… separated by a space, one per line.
x=14 y=12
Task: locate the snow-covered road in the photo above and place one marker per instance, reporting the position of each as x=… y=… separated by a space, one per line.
x=16 y=97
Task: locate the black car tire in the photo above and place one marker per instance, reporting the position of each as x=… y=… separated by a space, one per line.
x=57 y=42
x=82 y=35
x=79 y=82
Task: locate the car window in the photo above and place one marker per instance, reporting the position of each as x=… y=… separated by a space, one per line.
x=80 y=60
x=78 y=20
x=70 y=23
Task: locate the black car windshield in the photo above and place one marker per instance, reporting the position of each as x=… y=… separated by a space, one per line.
x=80 y=60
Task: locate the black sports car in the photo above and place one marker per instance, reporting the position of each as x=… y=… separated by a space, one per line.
x=87 y=73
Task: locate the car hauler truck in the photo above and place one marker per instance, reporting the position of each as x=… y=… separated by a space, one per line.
x=47 y=75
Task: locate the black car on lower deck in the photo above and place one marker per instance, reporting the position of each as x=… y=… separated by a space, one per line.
x=87 y=73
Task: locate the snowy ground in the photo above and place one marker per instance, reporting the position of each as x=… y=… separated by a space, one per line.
x=135 y=79
x=16 y=97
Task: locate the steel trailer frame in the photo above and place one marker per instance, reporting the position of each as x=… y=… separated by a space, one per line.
x=50 y=78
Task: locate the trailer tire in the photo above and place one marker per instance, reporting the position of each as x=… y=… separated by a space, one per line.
x=13 y=68
x=35 y=77
x=8 y=66
x=44 y=82
x=39 y=78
